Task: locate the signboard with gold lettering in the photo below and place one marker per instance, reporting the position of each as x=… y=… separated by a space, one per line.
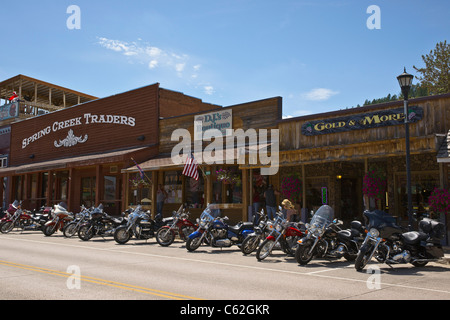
x=377 y=119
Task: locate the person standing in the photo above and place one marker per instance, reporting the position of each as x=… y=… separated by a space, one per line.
x=271 y=201
x=161 y=196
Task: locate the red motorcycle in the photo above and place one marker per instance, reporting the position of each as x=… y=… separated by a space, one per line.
x=61 y=218
x=180 y=225
x=284 y=233
x=15 y=217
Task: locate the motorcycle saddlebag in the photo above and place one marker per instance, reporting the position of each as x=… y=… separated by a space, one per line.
x=435 y=229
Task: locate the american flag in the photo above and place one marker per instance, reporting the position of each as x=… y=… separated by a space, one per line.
x=191 y=167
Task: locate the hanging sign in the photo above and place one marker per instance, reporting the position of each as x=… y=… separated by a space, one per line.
x=377 y=119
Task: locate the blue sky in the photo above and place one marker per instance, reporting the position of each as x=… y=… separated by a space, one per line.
x=318 y=55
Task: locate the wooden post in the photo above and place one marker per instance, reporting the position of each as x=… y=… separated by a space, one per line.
x=245 y=194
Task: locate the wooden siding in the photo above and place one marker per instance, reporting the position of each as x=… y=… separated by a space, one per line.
x=262 y=114
x=376 y=142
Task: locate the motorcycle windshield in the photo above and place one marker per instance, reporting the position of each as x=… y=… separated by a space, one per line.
x=377 y=219
x=323 y=216
x=206 y=215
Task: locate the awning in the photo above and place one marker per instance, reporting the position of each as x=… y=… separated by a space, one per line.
x=86 y=160
x=165 y=162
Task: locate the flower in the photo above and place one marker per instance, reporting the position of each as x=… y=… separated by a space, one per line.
x=374 y=183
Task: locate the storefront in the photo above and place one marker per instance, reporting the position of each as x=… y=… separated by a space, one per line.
x=222 y=180
x=333 y=153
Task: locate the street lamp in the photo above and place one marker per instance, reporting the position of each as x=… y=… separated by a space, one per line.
x=405 y=81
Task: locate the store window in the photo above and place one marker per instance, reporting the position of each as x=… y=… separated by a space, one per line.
x=314 y=192
x=173 y=184
x=195 y=192
x=88 y=185
x=422 y=185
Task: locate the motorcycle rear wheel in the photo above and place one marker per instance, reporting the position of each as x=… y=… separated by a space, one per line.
x=250 y=244
x=264 y=249
x=121 y=235
x=165 y=237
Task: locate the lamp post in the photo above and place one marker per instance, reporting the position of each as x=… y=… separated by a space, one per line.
x=405 y=81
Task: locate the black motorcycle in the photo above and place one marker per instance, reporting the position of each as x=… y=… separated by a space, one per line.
x=326 y=239
x=387 y=243
x=261 y=231
x=138 y=224
x=100 y=224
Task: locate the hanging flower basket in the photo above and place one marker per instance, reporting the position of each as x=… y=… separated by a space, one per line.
x=228 y=176
x=439 y=201
x=137 y=182
x=374 y=183
x=291 y=188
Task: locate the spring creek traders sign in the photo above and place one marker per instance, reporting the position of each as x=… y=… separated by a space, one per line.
x=72 y=139
x=362 y=121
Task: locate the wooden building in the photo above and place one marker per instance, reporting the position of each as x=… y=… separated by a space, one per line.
x=76 y=154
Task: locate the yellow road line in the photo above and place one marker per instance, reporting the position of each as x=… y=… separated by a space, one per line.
x=109 y=283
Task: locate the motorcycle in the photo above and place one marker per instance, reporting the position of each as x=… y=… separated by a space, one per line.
x=80 y=218
x=138 y=224
x=216 y=232
x=60 y=218
x=179 y=224
x=387 y=243
x=100 y=224
x=325 y=238
x=16 y=217
x=261 y=231
x=283 y=233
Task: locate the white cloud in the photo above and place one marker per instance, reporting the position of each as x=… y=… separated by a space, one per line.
x=152 y=56
x=209 y=90
x=319 y=94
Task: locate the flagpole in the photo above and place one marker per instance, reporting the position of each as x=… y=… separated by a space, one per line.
x=145 y=175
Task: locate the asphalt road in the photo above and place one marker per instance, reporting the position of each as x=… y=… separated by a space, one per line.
x=35 y=267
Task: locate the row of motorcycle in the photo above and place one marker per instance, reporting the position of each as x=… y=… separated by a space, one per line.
x=324 y=237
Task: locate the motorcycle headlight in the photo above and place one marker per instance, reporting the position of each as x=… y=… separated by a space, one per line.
x=279 y=228
x=374 y=233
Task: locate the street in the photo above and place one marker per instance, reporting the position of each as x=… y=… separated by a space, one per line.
x=36 y=267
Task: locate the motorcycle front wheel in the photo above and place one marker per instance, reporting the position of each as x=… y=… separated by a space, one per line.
x=302 y=253
x=70 y=229
x=86 y=232
x=7 y=226
x=193 y=244
x=250 y=244
x=49 y=230
x=363 y=257
x=121 y=235
x=165 y=237
x=264 y=249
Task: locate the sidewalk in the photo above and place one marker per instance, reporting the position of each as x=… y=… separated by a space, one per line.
x=446 y=259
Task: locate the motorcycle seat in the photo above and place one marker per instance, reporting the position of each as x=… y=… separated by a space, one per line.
x=414 y=237
x=241 y=226
x=345 y=234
